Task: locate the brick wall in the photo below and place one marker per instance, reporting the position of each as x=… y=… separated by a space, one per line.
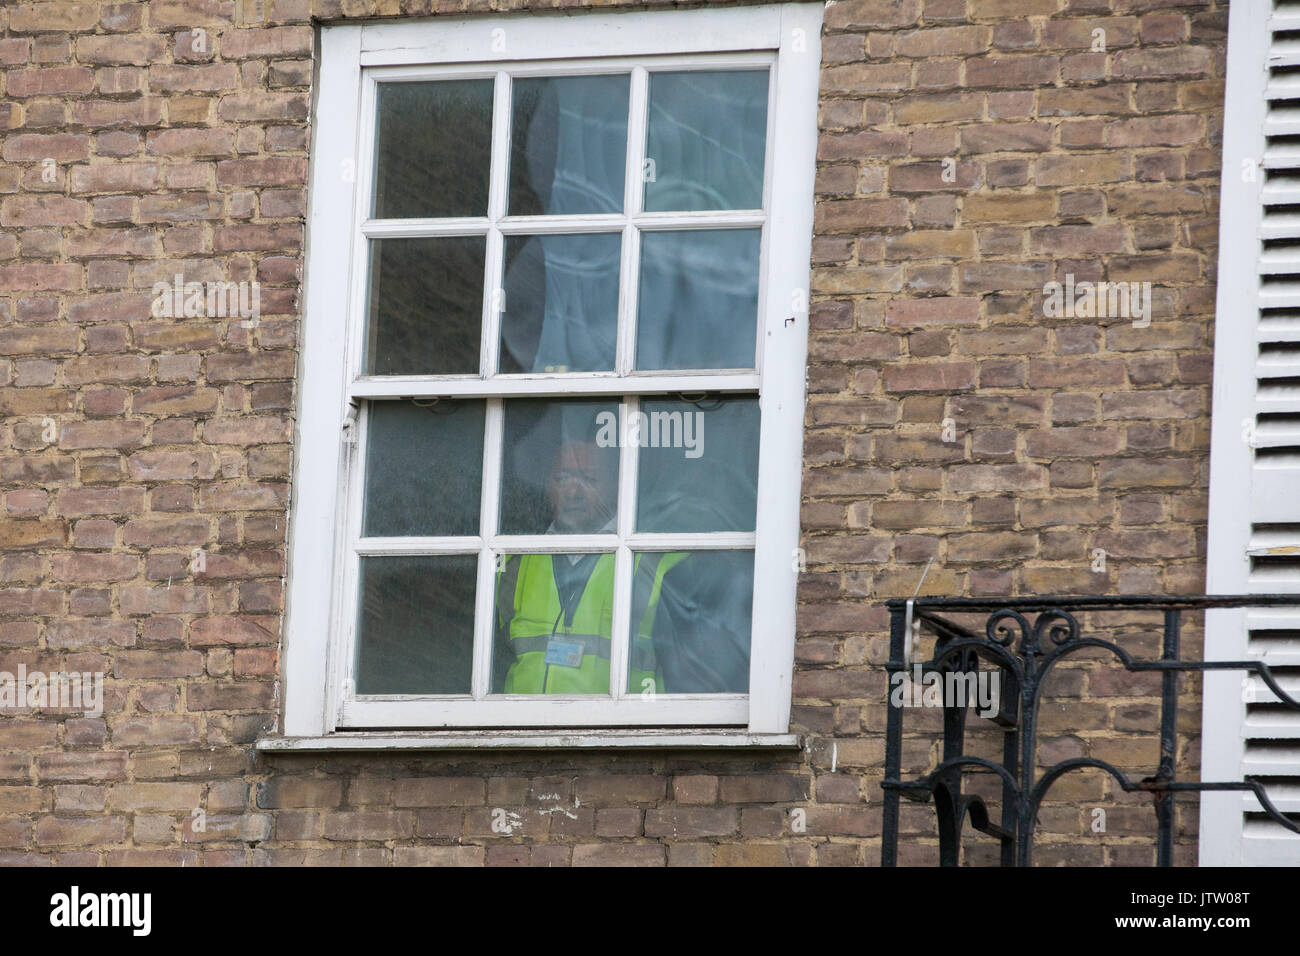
x=971 y=151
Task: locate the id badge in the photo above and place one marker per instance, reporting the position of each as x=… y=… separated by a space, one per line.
x=564 y=653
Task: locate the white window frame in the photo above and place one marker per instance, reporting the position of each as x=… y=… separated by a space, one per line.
x=321 y=579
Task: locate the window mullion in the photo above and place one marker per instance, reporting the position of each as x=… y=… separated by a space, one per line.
x=493 y=293
x=633 y=183
x=485 y=598
x=638 y=97
x=627 y=466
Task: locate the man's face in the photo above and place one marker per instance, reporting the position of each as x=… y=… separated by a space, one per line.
x=582 y=489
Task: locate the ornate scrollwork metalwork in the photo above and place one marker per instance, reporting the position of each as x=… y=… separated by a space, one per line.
x=1060 y=626
x=1025 y=666
x=994 y=627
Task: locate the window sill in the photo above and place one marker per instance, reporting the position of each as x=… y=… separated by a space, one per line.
x=534 y=740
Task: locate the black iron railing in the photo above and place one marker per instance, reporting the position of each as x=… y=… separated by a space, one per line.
x=1022 y=655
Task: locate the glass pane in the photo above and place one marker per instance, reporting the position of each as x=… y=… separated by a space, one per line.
x=426 y=306
x=698 y=303
x=706 y=141
x=554 y=619
x=416 y=624
x=698 y=468
x=568 y=145
x=433 y=149
x=559 y=473
x=560 y=310
x=424 y=465
x=690 y=622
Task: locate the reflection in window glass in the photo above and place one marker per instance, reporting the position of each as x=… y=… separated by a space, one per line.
x=415 y=632
x=568 y=145
x=559 y=474
x=691 y=615
x=426 y=306
x=560 y=309
x=706 y=141
x=424 y=463
x=554 y=622
x=698 y=465
x=698 y=305
x=433 y=149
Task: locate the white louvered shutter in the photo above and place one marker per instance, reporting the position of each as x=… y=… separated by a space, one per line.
x=1254 y=528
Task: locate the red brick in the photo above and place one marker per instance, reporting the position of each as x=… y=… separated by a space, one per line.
x=142 y=50
x=271 y=41
x=81 y=766
x=53 y=17
x=930 y=377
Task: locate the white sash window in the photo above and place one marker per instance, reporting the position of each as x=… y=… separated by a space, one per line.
x=556 y=305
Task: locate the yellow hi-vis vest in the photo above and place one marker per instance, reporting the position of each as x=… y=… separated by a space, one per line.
x=529 y=610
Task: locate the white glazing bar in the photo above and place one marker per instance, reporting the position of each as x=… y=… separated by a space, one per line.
x=625 y=339
x=558 y=543
x=484 y=624
x=553 y=543
x=564 y=544
x=528 y=225
x=493 y=293
x=424 y=228
x=548 y=225
x=633 y=183
x=489 y=505
x=742 y=219
x=546 y=386
x=627 y=481
x=460 y=544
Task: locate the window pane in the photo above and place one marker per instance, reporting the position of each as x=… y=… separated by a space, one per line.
x=691 y=622
x=706 y=141
x=568 y=145
x=698 y=467
x=424 y=465
x=426 y=306
x=559 y=473
x=554 y=619
x=560 y=310
x=416 y=625
x=698 y=303
x=433 y=149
